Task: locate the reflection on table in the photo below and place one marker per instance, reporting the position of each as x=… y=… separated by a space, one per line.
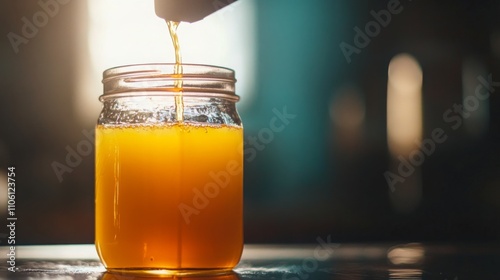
x=323 y=260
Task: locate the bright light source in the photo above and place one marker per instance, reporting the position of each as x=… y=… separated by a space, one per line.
x=404 y=127
x=129 y=32
x=404 y=105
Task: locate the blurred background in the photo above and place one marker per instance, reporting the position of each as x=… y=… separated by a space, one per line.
x=390 y=112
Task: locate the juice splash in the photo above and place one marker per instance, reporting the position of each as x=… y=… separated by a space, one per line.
x=154 y=182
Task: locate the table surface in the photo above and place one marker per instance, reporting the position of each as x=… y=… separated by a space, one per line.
x=322 y=260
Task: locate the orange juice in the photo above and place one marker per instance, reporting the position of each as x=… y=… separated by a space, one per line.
x=169 y=196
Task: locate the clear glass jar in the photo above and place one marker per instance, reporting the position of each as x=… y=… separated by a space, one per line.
x=169 y=170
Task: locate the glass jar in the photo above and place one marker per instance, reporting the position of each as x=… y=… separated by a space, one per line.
x=169 y=170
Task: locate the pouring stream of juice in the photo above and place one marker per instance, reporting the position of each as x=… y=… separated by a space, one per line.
x=179 y=111
x=179 y=104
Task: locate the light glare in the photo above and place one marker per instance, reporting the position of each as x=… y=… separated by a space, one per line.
x=404 y=105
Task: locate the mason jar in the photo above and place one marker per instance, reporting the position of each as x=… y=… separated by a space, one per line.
x=169 y=170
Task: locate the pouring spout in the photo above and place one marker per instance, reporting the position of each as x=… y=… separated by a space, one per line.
x=188 y=10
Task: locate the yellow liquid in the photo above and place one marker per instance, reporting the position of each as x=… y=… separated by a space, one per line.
x=169 y=197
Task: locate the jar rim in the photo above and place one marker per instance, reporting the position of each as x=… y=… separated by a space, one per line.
x=198 y=80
